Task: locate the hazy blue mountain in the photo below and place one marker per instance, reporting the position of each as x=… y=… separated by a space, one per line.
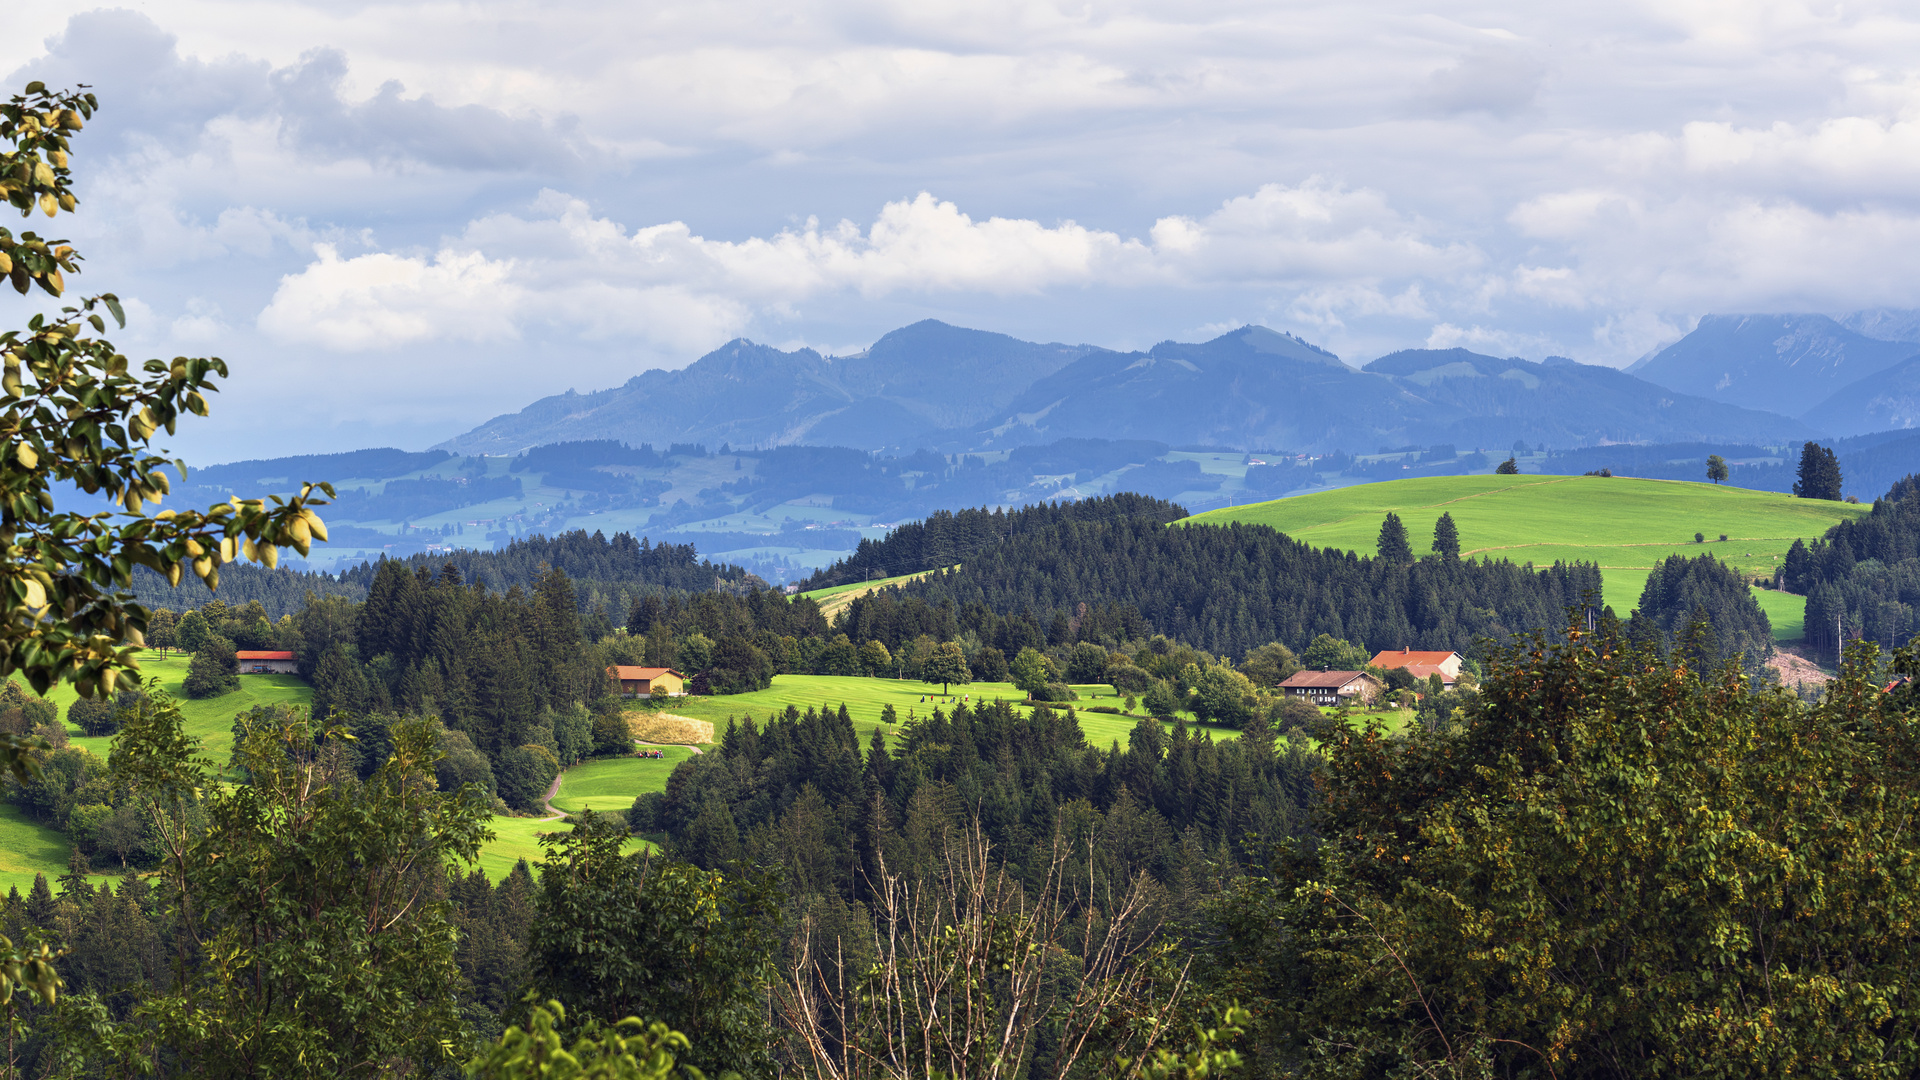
x=1782 y=363
x=1560 y=403
x=1887 y=400
x=936 y=386
x=1253 y=387
x=1258 y=388
x=919 y=379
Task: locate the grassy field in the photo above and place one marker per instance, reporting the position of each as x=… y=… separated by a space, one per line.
x=210 y=720
x=865 y=698
x=613 y=783
x=27 y=847
x=1623 y=524
x=519 y=838
x=833 y=598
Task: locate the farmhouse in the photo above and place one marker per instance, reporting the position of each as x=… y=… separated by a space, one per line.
x=1328 y=687
x=254 y=662
x=648 y=681
x=1421 y=664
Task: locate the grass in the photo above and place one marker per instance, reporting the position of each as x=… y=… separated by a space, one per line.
x=28 y=848
x=210 y=719
x=835 y=597
x=864 y=698
x=518 y=838
x=1623 y=524
x=613 y=783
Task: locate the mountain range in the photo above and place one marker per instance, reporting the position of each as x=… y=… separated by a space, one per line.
x=1826 y=372
x=940 y=387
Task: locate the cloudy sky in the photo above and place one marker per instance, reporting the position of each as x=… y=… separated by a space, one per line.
x=396 y=219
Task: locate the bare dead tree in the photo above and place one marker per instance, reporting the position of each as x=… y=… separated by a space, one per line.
x=971 y=971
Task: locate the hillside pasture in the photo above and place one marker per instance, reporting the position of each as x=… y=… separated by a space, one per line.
x=836 y=597
x=865 y=698
x=1624 y=524
x=611 y=784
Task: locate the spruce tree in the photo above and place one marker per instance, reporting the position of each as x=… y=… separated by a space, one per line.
x=1393 y=541
x=40 y=904
x=1446 y=538
x=1819 y=474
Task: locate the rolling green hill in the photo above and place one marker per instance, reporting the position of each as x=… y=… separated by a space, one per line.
x=1624 y=525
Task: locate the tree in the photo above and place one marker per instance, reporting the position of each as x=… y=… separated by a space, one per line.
x=947 y=664
x=1716 y=468
x=875 y=658
x=1393 y=546
x=1446 y=537
x=1270 y=664
x=192 y=632
x=214 y=669
x=1225 y=696
x=310 y=931
x=1629 y=841
x=1819 y=473
x=1509 y=467
x=76 y=414
x=623 y=935
x=1329 y=653
x=1032 y=670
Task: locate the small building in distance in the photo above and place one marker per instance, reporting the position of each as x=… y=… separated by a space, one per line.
x=259 y=662
x=1329 y=687
x=648 y=681
x=1422 y=664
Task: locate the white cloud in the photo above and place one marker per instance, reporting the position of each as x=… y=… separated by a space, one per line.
x=664 y=283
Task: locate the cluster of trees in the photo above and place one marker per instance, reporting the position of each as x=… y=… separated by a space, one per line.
x=1704 y=608
x=1233 y=588
x=949 y=538
x=1862 y=579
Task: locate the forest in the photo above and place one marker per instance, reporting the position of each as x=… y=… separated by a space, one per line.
x=1862 y=579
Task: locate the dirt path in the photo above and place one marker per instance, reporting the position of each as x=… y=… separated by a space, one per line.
x=547 y=799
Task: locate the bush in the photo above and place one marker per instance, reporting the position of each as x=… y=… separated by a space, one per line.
x=102 y=717
x=1699 y=538
x=1296 y=713
x=1087 y=663
x=1055 y=691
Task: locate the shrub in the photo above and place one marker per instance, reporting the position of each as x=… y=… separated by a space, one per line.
x=1055 y=691
x=1699 y=538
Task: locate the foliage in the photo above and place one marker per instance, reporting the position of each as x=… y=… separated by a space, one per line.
x=1509 y=467
x=625 y=1050
x=75 y=414
x=618 y=936
x=1717 y=468
x=1329 y=653
x=1634 y=842
x=310 y=937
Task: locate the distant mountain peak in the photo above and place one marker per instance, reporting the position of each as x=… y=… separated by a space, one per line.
x=1782 y=363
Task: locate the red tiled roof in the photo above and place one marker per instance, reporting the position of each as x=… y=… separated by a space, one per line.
x=1322 y=680
x=627 y=672
x=1421 y=671
x=248 y=654
x=1393 y=658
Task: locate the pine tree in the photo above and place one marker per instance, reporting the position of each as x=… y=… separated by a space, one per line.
x=1393 y=541
x=1446 y=537
x=40 y=903
x=1509 y=467
x=1819 y=474
x=73 y=883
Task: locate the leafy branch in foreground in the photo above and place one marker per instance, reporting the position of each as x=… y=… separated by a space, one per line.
x=72 y=410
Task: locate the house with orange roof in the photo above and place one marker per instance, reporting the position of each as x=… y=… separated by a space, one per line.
x=1421 y=664
x=266 y=662
x=1329 y=687
x=648 y=681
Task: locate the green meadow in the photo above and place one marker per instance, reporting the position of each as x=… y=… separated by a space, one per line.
x=865 y=698
x=611 y=784
x=1623 y=524
x=835 y=597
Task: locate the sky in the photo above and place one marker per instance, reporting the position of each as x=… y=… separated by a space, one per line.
x=395 y=220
